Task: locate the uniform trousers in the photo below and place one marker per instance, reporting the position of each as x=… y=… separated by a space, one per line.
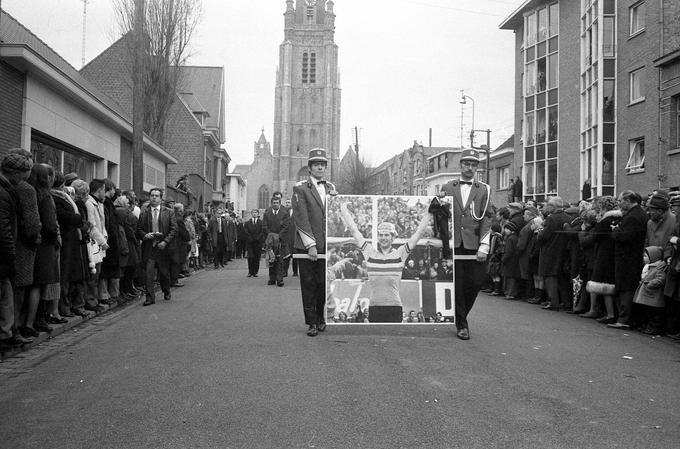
x=469 y=277
x=313 y=287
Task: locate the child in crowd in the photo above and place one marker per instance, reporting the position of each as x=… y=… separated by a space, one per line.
x=494 y=267
x=649 y=295
x=510 y=266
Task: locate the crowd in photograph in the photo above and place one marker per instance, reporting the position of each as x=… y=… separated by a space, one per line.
x=70 y=247
x=611 y=259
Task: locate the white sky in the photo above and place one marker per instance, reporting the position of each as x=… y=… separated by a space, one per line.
x=402 y=64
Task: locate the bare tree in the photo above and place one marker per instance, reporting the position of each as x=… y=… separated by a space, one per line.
x=168 y=28
x=356 y=178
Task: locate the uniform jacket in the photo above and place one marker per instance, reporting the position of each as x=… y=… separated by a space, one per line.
x=309 y=215
x=167 y=225
x=470 y=223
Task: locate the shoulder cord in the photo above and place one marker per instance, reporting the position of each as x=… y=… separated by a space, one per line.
x=472 y=205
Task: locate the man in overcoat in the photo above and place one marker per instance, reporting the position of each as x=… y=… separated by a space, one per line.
x=276 y=220
x=471 y=227
x=156 y=229
x=629 y=244
x=254 y=241
x=217 y=228
x=309 y=215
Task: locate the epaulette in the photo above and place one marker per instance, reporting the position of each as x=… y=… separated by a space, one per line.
x=300 y=183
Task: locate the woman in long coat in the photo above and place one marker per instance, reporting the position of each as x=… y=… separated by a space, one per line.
x=131 y=258
x=602 y=279
x=72 y=267
x=46 y=269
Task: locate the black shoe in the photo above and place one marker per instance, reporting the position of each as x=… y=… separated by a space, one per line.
x=606 y=320
x=463 y=334
x=28 y=332
x=42 y=326
x=54 y=320
x=321 y=327
x=148 y=302
x=254 y=275
x=177 y=284
x=279 y=284
x=271 y=282
x=21 y=339
x=312 y=331
x=167 y=296
x=67 y=314
x=250 y=275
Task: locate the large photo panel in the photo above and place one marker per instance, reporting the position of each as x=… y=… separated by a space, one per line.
x=385 y=261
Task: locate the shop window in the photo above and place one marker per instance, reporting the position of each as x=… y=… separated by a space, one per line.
x=503 y=181
x=636 y=160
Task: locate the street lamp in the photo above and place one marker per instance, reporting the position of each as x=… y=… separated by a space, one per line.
x=463 y=101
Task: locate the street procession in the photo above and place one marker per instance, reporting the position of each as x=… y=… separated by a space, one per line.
x=179 y=267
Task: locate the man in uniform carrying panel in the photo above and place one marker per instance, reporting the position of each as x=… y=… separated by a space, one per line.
x=309 y=216
x=470 y=236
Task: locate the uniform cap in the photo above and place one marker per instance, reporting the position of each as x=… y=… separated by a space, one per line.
x=317 y=155
x=469 y=155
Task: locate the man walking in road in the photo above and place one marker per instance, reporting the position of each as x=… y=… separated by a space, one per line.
x=309 y=215
x=275 y=221
x=470 y=236
x=254 y=241
x=217 y=230
x=156 y=229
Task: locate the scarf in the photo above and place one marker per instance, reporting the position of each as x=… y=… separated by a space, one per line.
x=66 y=197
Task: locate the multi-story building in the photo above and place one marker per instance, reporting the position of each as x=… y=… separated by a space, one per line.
x=587 y=105
x=258 y=175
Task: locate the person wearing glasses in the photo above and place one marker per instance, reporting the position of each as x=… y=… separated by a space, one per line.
x=471 y=227
x=385 y=265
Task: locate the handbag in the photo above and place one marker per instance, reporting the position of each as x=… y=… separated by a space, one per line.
x=94 y=252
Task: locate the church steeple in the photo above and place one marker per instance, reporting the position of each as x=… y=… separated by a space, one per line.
x=262 y=147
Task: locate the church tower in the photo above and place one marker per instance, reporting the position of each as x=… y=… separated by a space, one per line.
x=307 y=103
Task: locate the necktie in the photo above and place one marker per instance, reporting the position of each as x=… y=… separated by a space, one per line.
x=465 y=182
x=154 y=224
x=219 y=225
x=321 y=182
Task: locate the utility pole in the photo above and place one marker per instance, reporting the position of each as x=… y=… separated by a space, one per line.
x=82 y=62
x=486 y=148
x=356 y=141
x=138 y=101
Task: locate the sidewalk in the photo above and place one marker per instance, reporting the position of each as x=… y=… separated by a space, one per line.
x=58 y=329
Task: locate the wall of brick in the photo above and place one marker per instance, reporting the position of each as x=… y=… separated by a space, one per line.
x=640 y=119
x=11 y=107
x=671 y=25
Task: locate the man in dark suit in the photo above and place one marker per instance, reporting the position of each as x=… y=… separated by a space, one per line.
x=471 y=227
x=275 y=221
x=156 y=229
x=254 y=241
x=217 y=228
x=309 y=215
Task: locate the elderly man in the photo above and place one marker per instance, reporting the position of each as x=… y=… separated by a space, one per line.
x=661 y=221
x=553 y=243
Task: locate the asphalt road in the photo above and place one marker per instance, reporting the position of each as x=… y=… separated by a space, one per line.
x=227 y=364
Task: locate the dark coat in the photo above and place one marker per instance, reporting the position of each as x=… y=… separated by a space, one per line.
x=277 y=224
x=111 y=263
x=603 y=251
x=511 y=257
x=180 y=244
x=167 y=226
x=289 y=234
x=213 y=231
x=553 y=242
x=71 y=258
x=8 y=228
x=128 y=222
x=525 y=246
x=254 y=232
x=629 y=240
x=46 y=269
x=28 y=229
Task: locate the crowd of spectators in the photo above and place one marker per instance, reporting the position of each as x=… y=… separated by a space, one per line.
x=70 y=247
x=615 y=260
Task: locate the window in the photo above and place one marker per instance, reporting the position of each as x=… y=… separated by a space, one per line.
x=503 y=177
x=305 y=68
x=554 y=19
x=312 y=68
x=263 y=197
x=637 y=18
x=636 y=91
x=61 y=156
x=609 y=44
x=153 y=177
x=674 y=123
x=310 y=14
x=636 y=160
